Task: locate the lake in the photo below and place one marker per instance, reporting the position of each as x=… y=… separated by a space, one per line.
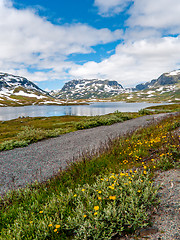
x=99 y=108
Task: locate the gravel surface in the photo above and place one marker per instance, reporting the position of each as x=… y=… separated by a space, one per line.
x=166 y=221
x=167 y=218
x=40 y=161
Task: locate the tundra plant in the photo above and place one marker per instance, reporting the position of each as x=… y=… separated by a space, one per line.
x=114 y=203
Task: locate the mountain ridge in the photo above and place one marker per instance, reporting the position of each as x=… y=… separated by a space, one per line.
x=88 y=88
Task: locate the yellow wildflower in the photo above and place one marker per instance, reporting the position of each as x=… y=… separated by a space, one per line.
x=75 y=195
x=40 y=211
x=55 y=230
x=57 y=226
x=99 y=198
x=50 y=225
x=83 y=190
x=85 y=216
x=99 y=192
x=96 y=208
x=112 y=197
x=95 y=213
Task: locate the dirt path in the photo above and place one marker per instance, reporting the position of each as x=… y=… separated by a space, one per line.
x=41 y=160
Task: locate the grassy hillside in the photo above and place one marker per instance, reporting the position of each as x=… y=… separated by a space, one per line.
x=155 y=94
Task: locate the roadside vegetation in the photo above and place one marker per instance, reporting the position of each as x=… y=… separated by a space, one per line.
x=99 y=197
x=165 y=108
x=23 y=131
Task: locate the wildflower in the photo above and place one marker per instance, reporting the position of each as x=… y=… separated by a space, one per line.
x=139 y=191
x=102 y=179
x=130 y=171
x=31 y=222
x=142 y=162
x=145 y=172
x=40 y=211
x=57 y=226
x=111 y=187
x=95 y=213
x=55 y=230
x=75 y=195
x=83 y=190
x=50 y=225
x=145 y=167
x=85 y=216
x=112 y=197
x=99 y=198
x=99 y=192
x=154 y=166
x=96 y=208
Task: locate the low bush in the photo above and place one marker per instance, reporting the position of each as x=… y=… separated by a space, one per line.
x=102 y=120
x=114 y=203
x=144 y=112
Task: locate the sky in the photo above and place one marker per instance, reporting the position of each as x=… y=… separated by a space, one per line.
x=52 y=42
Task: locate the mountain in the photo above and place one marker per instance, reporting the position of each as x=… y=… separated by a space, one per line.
x=85 y=89
x=164 y=89
x=16 y=90
x=170 y=78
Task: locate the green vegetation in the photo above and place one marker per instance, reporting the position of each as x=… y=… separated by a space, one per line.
x=99 y=197
x=23 y=131
x=165 y=108
x=155 y=94
x=103 y=120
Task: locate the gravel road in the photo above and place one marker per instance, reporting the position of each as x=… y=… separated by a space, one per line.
x=40 y=161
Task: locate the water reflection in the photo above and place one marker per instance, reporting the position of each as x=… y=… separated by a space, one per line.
x=7 y=113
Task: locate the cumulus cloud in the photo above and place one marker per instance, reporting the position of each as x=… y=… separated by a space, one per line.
x=161 y=14
x=135 y=62
x=30 y=40
x=110 y=7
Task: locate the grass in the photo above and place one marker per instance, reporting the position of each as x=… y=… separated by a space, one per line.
x=165 y=108
x=23 y=131
x=102 y=196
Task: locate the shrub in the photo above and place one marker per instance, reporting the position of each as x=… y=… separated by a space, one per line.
x=144 y=112
x=114 y=203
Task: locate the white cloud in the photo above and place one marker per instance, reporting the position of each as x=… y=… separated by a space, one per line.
x=135 y=62
x=161 y=14
x=30 y=40
x=111 y=7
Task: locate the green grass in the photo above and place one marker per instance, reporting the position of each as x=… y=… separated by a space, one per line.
x=98 y=197
x=23 y=131
x=165 y=108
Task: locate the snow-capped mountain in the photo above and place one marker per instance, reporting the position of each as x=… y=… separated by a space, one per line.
x=88 y=88
x=16 y=90
x=164 y=89
x=9 y=84
x=170 y=78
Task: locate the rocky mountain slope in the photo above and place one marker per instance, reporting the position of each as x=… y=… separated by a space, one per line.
x=16 y=90
x=85 y=89
x=170 y=78
x=164 y=89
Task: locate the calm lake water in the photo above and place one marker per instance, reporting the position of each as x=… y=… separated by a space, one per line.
x=8 y=113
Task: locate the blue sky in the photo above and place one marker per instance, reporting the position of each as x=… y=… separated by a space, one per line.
x=52 y=42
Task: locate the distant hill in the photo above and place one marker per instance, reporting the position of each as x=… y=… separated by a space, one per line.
x=170 y=78
x=17 y=91
x=164 y=89
x=85 y=89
